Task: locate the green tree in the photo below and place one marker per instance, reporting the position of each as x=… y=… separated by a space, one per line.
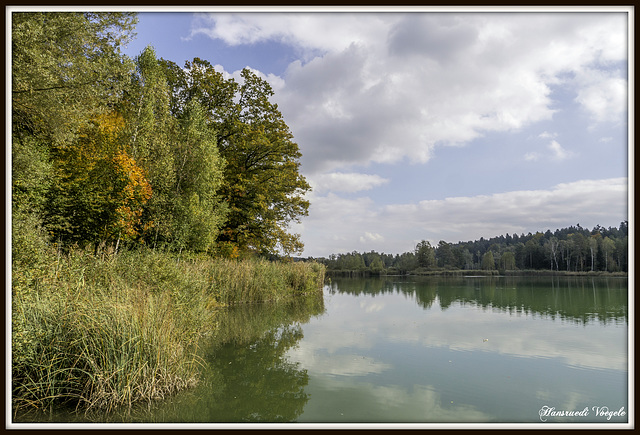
x=608 y=246
x=534 y=251
x=445 y=255
x=592 y=243
x=488 y=262
x=177 y=146
x=579 y=251
x=551 y=247
x=66 y=71
x=199 y=212
x=406 y=262
x=507 y=261
x=622 y=245
x=262 y=184
x=425 y=254
x=376 y=265
x=152 y=132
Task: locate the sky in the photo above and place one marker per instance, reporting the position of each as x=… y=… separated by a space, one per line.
x=422 y=125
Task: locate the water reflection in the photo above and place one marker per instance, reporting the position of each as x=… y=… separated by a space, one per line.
x=246 y=376
x=577 y=299
x=465 y=349
x=413 y=350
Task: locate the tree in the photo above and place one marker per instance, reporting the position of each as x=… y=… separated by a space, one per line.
x=580 y=247
x=67 y=72
x=622 y=245
x=488 y=262
x=66 y=69
x=199 y=212
x=262 y=184
x=152 y=134
x=406 y=262
x=593 y=248
x=534 y=251
x=608 y=246
x=376 y=264
x=551 y=247
x=445 y=255
x=177 y=147
x=507 y=261
x=100 y=190
x=425 y=254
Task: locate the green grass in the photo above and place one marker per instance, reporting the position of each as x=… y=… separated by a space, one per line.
x=96 y=334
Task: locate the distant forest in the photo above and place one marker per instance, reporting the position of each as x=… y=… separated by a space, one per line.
x=572 y=249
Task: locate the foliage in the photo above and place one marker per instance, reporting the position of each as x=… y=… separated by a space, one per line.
x=109 y=150
x=66 y=69
x=425 y=254
x=572 y=249
x=199 y=175
x=67 y=75
x=99 y=190
x=262 y=184
x=488 y=262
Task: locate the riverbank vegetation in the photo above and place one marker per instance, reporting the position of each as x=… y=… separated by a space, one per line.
x=144 y=197
x=572 y=250
x=96 y=333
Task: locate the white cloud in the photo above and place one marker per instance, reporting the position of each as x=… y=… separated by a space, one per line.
x=313 y=33
x=276 y=82
x=559 y=153
x=371 y=237
x=393 y=88
x=532 y=156
x=345 y=182
x=603 y=96
x=547 y=135
x=385 y=87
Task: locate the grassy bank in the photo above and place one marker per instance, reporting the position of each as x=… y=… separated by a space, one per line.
x=98 y=333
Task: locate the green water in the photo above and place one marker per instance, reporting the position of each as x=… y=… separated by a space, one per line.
x=417 y=350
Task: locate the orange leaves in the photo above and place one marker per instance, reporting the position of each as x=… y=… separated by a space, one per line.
x=110 y=123
x=135 y=193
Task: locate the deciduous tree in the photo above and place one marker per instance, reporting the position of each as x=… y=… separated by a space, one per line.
x=262 y=184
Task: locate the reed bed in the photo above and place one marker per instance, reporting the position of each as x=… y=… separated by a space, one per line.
x=99 y=333
x=261 y=281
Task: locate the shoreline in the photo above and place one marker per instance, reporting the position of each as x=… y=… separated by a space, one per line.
x=477 y=273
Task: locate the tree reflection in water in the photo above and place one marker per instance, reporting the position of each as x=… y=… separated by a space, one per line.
x=577 y=299
x=245 y=375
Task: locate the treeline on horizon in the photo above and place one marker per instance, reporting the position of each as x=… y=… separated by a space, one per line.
x=572 y=249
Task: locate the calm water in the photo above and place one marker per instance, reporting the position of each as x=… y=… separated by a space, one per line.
x=418 y=350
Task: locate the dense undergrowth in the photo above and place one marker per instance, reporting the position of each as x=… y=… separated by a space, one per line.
x=99 y=332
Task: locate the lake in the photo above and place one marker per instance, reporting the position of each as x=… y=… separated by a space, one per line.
x=418 y=350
